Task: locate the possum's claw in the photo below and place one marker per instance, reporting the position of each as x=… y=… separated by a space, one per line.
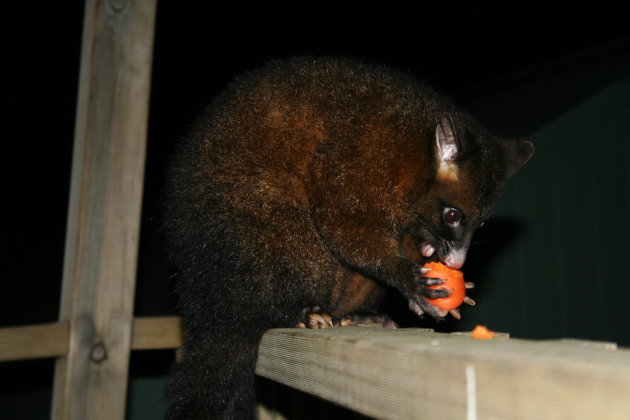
x=455 y=313
x=315 y=318
x=420 y=271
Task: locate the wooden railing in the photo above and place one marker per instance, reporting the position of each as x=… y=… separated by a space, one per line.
x=407 y=373
x=412 y=374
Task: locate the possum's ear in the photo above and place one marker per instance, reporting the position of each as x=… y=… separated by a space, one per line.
x=517 y=153
x=448 y=149
x=448 y=146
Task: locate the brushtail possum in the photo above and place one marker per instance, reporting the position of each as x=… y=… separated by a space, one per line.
x=309 y=186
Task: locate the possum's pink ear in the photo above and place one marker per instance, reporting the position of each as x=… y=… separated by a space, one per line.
x=448 y=149
x=448 y=146
x=517 y=153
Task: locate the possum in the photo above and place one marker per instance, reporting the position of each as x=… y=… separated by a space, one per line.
x=308 y=188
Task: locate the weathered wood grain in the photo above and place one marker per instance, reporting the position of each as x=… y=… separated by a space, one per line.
x=51 y=340
x=407 y=374
x=104 y=209
x=152 y=333
x=34 y=341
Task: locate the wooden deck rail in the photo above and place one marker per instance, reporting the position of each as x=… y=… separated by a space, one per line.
x=410 y=374
x=407 y=373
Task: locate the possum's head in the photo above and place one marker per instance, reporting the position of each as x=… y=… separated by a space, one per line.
x=470 y=167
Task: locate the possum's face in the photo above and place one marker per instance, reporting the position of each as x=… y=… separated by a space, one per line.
x=464 y=191
x=447 y=237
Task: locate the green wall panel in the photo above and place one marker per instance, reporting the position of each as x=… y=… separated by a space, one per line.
x=566 y=271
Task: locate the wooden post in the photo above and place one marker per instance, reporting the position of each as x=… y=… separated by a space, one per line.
x=104 y=210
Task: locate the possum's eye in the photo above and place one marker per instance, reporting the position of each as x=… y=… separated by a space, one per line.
x=452 y=216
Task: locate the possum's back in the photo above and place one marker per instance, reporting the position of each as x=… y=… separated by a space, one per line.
x=253 y=150
x=274 y=119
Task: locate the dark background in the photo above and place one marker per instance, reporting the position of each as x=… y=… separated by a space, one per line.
x=552 y=264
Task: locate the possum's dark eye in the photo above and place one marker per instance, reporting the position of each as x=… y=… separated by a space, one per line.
x=452 y=216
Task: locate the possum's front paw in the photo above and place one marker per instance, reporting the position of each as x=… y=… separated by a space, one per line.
x=418 y=304
x=316 y=318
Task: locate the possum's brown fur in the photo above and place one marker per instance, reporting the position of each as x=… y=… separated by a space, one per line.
x=309 y=183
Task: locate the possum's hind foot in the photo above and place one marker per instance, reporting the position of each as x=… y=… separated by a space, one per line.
x=384 y=320
x=316 y=318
